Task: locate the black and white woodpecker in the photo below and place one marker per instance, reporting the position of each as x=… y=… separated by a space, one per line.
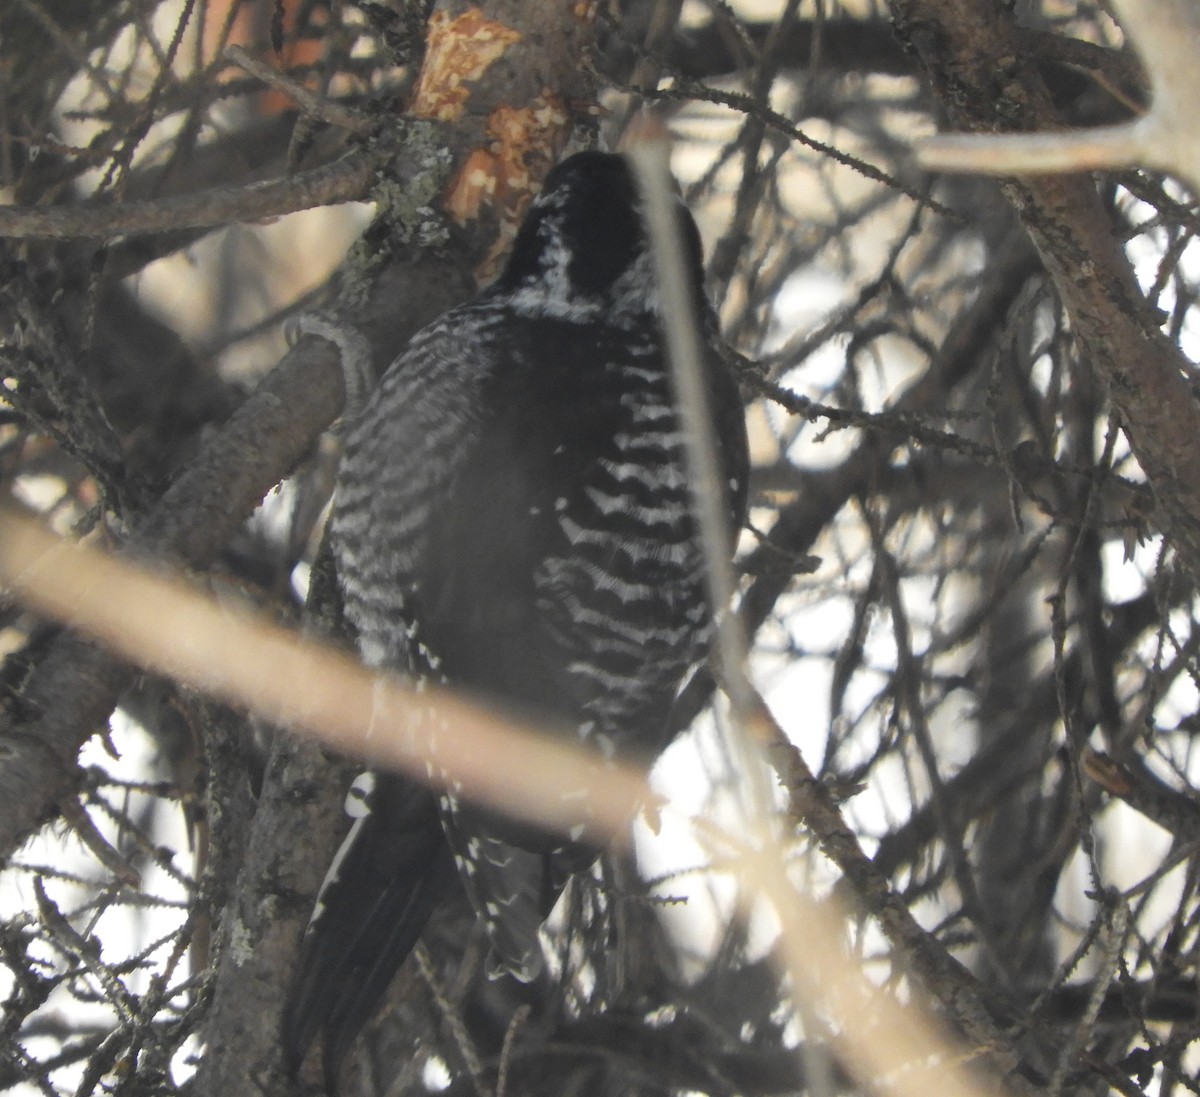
x=513 y=518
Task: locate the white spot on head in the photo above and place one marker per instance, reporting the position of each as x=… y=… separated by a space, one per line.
x=358 y=795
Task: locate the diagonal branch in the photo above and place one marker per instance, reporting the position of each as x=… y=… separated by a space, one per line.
x=162 y=624
x=1167 y=138
x=346 y=180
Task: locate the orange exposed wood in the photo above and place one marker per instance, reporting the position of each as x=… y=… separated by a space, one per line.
x=460 y=50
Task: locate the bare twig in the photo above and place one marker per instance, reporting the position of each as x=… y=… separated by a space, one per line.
x=451 y=1016
x=91 y=837
x=309 y=101
x=649 y=154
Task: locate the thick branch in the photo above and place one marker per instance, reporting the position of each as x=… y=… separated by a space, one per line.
x=1167 y=138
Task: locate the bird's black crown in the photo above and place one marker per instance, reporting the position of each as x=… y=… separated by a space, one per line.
x=583 y=246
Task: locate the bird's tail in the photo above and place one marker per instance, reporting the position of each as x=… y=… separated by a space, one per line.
x=392 y=870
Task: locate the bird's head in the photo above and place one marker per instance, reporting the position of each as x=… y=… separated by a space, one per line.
x=582 y=251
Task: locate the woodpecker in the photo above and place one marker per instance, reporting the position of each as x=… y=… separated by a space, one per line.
x=513 y=518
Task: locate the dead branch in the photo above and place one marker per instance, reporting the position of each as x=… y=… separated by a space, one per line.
x=1165 y=138
x=346 y=180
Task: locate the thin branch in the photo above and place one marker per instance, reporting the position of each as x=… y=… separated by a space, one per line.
x=753 y=726
x=311 y=103
x=683 y=327
x=773 y=119
x=970 y=1003
x=1132 y=781
x=346 y=180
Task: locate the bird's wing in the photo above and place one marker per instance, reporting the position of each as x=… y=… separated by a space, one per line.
x=402 y=459
x=394 y=865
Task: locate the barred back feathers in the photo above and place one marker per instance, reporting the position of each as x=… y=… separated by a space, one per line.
x=512 y=517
